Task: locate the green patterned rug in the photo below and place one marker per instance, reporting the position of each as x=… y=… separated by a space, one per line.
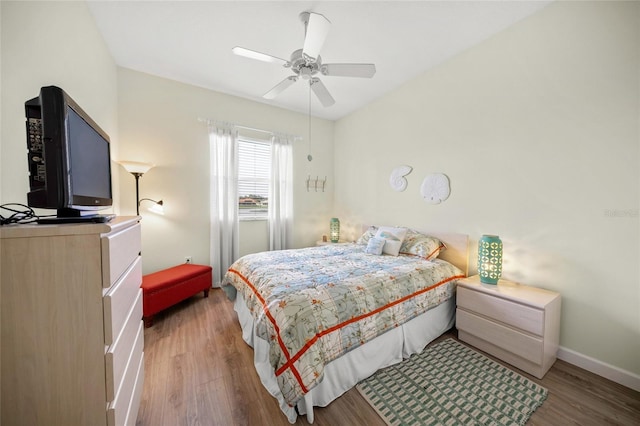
x=451 y=384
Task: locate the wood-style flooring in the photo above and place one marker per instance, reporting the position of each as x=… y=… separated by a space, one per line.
x=199 y=371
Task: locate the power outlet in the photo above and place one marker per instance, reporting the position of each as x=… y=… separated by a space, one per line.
x=187 y=259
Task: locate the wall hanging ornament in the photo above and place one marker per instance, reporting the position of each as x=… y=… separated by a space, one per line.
x=397 y=179
x=435 y=188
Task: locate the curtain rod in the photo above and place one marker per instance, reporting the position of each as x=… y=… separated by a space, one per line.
x=209 y=121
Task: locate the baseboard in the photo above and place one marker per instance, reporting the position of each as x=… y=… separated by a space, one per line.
x=615 y=374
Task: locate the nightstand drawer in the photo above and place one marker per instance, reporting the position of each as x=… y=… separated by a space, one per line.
x=523 y=345
x=515 y=314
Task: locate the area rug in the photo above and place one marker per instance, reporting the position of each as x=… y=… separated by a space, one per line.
x=451 y=384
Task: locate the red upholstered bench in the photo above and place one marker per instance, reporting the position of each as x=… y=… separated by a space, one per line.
x=167 y=287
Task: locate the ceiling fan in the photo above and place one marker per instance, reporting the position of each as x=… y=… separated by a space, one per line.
x=306 y=62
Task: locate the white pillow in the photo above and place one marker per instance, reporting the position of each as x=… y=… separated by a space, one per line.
x=393 y=237
x=375 y=245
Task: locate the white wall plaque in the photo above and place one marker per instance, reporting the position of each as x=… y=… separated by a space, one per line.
x=397 y=180
x=435 y=188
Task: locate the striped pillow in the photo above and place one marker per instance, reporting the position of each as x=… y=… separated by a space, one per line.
x=425 y=246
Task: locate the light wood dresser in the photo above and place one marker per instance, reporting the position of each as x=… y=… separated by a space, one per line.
x=515 y=323
x=72 y=334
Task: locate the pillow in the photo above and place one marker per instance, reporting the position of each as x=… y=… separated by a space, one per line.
x=375 y=245
x=421 y=245
x=394 y=237
x=368 y=234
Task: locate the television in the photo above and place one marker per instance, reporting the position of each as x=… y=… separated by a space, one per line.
x=69 y=159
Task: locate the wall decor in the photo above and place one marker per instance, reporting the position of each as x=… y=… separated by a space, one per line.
x=435 y=188
x=397 y=179
x=317 y=183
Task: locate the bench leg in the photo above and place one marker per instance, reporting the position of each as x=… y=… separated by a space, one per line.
x=206 y=293
x=148 y=321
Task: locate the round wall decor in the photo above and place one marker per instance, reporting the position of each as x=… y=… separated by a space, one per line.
x=435 y=188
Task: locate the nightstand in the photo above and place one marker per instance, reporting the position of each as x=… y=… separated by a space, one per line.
x=326 y=243
x=513 y=322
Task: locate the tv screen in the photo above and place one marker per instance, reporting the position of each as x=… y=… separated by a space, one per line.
x=90 y=174
x=69 y=158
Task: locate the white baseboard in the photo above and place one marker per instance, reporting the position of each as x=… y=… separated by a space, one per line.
x=615 y=374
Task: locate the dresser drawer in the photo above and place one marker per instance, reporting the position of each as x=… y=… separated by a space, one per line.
x=122 y=411
x=523 y=345
x=119 y=250
x=517 y=315
x=118 y=301
x=118 y=354
x=136 y=395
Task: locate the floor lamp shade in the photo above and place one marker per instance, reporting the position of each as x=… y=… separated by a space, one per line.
x=490 y=259
x=137 y=169
x=334 y=230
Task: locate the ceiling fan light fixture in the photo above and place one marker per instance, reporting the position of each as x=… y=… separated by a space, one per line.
x=306 y=73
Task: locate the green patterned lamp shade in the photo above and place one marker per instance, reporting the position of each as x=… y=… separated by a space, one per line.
x=334 y=230
x=490 y=259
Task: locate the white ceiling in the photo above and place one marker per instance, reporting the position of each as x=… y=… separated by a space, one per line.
x=191 y=42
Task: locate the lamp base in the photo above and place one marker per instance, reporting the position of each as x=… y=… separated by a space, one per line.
x=487 y=280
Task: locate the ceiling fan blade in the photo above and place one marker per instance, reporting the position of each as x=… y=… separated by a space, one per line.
x=317 y=28
x=280 y=87
x=252 y=54
x=321 y=92
x=349 y=70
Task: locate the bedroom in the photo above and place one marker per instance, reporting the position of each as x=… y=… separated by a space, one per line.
x=544 y=113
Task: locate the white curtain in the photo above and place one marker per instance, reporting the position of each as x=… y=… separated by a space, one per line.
x=224 y=199
x=281 y=193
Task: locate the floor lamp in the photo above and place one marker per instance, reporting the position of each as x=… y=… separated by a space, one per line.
x=137 y=169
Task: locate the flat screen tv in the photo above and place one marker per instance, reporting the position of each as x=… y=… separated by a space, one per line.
x=69 y=159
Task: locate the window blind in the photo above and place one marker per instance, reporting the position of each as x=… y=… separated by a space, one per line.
x=254 y=171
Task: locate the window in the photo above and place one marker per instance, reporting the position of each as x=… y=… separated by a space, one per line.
x=254 y=172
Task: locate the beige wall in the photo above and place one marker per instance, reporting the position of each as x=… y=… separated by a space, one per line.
x=538 y=131
x=50 y=43
x=159 y=124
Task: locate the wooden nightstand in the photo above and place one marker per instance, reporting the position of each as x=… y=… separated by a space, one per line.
x=516 y=323
x=326 y=243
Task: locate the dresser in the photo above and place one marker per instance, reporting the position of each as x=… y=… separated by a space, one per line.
x=72 y=333
x=516 y=323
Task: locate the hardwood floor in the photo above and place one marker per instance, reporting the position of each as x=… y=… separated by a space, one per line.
x=199 y=371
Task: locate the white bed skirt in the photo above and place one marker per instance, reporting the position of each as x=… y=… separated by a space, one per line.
x=345 y=372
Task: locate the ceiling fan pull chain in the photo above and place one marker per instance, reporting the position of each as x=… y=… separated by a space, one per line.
x=309 y=157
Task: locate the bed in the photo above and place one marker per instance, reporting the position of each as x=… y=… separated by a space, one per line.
x=321 y=319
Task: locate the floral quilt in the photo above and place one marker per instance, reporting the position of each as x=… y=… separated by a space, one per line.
x=315 y=304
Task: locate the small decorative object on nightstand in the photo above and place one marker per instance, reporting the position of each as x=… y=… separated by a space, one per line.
x=334 y=227
x=516 y=323
x=490 y=259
